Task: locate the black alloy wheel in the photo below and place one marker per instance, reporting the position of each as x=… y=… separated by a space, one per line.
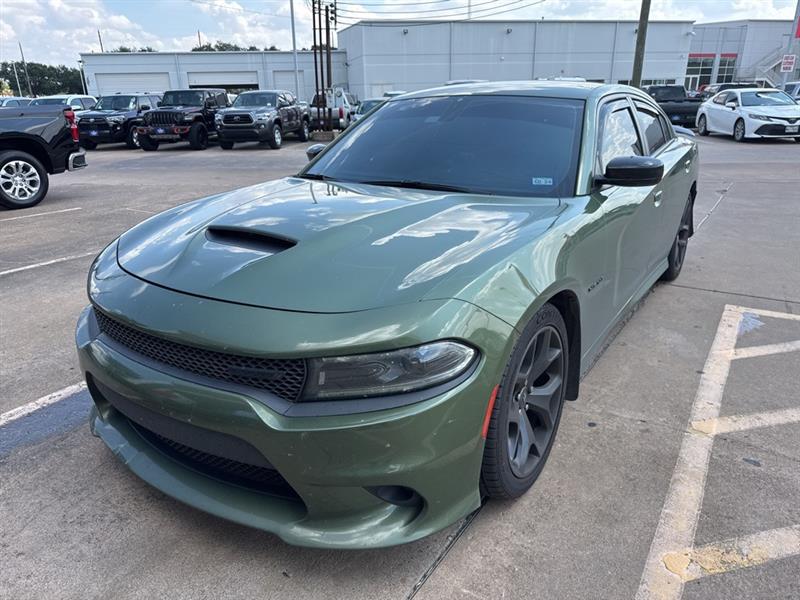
x=528 y=407
x=677 y=253
x=198 y=137
x=132 y=138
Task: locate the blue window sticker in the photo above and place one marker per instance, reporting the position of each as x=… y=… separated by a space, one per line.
x=542 y=181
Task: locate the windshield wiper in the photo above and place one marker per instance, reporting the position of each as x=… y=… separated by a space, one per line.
x=317 y=177
x=418 y=185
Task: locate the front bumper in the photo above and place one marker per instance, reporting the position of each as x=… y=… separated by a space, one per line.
x=165 y=133
x=432 y=447
x=104 y=136
x=777 y=130
x=257 y=132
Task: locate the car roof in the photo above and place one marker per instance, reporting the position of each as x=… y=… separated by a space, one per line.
x=579 y=90
x=753 y=89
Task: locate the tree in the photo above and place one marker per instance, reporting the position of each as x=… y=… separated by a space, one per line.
x=45 y=79
x=271 y=48
x=131 y=49
x=123 y=49
x=220 y=46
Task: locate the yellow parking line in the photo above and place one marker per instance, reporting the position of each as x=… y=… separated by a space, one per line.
x=745 y=422
x=753 y=351
x=734 y=554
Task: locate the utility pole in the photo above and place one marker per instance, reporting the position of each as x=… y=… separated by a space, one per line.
x=318 y=96
x=25 y=68
x=83 y=77
x=19 y=88
x=328 y=56
x=199 y=43
x=793 y=35
x=99 y=37
x=641 y=40
x=294 y=52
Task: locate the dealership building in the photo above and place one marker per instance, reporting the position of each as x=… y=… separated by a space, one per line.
x=377 y=56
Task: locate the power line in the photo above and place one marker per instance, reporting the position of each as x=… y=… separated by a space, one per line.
x=426 y=22
x=393 y=3
x=429 y=10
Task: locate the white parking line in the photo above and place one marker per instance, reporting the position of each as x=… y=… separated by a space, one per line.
x=48 y=262
x=42 y=214
x=26 y=409
x=744 y=422
x=678 y=521
x=673 y=559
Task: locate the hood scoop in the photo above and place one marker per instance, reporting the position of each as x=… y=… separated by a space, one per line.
x=257 y=241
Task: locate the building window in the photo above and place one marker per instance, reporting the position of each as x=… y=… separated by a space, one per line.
x=658 y=81
x=726 y=70
x=698 y=71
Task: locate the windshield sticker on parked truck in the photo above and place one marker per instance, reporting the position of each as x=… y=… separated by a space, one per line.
x=542 y=181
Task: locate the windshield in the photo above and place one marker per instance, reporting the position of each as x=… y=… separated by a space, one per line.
x=368 y=105
x=48 y=101
x=260 y=99
x=183 y=98
x=116 y=103
x=766 y=99
x=507 y=145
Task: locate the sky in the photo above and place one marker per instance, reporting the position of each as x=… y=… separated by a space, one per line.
x=57 y=31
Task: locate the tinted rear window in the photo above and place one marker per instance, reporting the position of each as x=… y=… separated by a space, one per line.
x=508 y=145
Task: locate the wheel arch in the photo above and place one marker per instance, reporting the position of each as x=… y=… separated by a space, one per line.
x=567 y=303
x=30 y=146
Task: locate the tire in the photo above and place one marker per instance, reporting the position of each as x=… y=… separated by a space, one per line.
x=512 y=459
x=132 y=139
x=147 y=144
x=304 y=133
x=738 y=131
x=226 y=145
x=702 y=125
x=23 y=180
x=276 y=137
x=677 y=253
x=89 y=144
x=198 y=137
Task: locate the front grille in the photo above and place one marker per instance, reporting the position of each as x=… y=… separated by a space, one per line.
x=164 y=117
x=257 y=478
x=98 y=124
x=282 y=377
x=237 y=119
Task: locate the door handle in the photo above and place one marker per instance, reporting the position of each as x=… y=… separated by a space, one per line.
x=657 y=198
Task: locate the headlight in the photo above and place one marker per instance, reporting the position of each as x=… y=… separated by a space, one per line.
x=218 y=118
x=188 y=117
x=759 y=117
x=386 y=373
x=116 y=120
x=263 y=116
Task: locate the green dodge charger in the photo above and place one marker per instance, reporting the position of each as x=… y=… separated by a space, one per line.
x=357 y=355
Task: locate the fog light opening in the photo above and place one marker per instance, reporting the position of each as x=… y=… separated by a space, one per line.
x=397 y=494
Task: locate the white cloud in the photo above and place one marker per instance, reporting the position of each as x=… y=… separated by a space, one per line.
x=56 y=31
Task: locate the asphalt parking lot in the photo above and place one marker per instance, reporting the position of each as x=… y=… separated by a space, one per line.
x=675 y=474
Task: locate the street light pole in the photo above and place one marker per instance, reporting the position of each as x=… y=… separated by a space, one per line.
x=793 y=35
x=294 y=52
x=641 y=39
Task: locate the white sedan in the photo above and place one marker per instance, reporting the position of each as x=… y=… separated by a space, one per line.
x=750 y=113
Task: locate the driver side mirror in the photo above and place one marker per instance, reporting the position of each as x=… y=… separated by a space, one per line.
x=632 y=171
x=144 y=107
x=158 y=103
x=209 y=103
x=312 y=151
x=732 y=105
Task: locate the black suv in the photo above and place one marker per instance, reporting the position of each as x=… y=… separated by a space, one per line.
x=183 y=115
x=263 y=116
x=115 y=119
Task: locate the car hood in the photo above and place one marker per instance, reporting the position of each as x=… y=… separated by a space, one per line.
x=103 y=113
x=788 y=110
x=308 y=246
x=246 y=109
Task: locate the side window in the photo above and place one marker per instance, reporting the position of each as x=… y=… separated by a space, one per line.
x=209 y=97
x=154 y=100
x=720 y=98
x=732 y=97
x=222 y=99
x=618 y=135
x=12 y=103
x=282 y=99
x=87 y=103
x=651 y=128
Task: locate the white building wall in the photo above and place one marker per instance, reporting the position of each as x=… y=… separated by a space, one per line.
x=184 y=69
x=409 y=56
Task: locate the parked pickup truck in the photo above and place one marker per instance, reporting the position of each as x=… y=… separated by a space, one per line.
x=673 y=100
x=35 y=141
x=264 y=116
x=183 y=115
